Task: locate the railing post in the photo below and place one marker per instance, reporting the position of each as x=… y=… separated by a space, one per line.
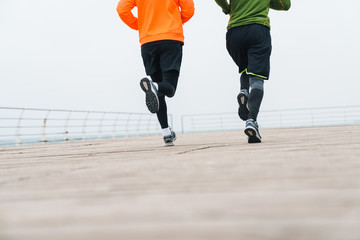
x=148 y=124
x=84 y=126
x=66 y=137
x=138 y=125
x=182 y=124
x=115 y=125
x=18 y=127
x=171 y=120
x=44 y=127
x=100 y=126
x=127 y=125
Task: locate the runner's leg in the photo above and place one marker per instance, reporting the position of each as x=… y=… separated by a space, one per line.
x=169 y=83
x=256 y=96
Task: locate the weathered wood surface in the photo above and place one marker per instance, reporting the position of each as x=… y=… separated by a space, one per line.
x=299 y=184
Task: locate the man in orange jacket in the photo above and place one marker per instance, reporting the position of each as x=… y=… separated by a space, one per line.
x=160 y=26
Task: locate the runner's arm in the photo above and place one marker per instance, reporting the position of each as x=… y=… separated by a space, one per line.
x=224 y=5
x=124 y=10
x=187 y=10
x=280 y=4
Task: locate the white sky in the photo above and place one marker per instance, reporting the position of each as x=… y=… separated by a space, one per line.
x=79 y=55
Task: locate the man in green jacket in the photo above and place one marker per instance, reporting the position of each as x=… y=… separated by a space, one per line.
x=248 y=42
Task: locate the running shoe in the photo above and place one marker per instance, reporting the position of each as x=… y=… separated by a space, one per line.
x=252 y=131
x=170 y=139
x=151 y=97
x=243 y=98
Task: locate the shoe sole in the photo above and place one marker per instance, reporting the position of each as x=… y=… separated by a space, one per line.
x=169 y=144
x=243 y=111
x=151 y=99
x=253 y=137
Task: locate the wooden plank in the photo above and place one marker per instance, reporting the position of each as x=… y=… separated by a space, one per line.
x=298 y=184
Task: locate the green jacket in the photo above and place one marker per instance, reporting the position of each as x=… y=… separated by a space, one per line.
x=244 y=12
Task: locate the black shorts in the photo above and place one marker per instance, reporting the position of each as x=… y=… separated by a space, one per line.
x=162 y=56
x=250 y=48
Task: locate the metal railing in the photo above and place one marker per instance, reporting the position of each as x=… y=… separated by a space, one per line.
x=34 y=125
x=306 y=117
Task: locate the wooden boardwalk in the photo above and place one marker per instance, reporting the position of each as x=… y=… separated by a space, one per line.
x=299 y=184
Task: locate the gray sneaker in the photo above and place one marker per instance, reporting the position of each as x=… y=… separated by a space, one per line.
x=252 y=131
x=243 y=98
x=170 y=139
x=151 y=97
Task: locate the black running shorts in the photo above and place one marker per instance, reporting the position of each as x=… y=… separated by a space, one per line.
x=250 y=48
x=162 y=56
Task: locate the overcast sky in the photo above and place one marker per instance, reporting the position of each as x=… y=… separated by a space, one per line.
x=79 y=55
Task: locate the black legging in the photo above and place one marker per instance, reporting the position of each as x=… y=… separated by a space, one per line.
x=167 y=82
x=255 y=86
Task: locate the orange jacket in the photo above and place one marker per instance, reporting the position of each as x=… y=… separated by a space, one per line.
x=157 y=19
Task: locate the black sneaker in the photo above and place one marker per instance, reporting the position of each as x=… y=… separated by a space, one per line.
x=242 y=98
x=252 y=131
x=151 y=98
x=170 y=139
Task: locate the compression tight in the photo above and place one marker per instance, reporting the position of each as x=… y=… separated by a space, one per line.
x=167 y=83
x=244 y=81
x=256 y=96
